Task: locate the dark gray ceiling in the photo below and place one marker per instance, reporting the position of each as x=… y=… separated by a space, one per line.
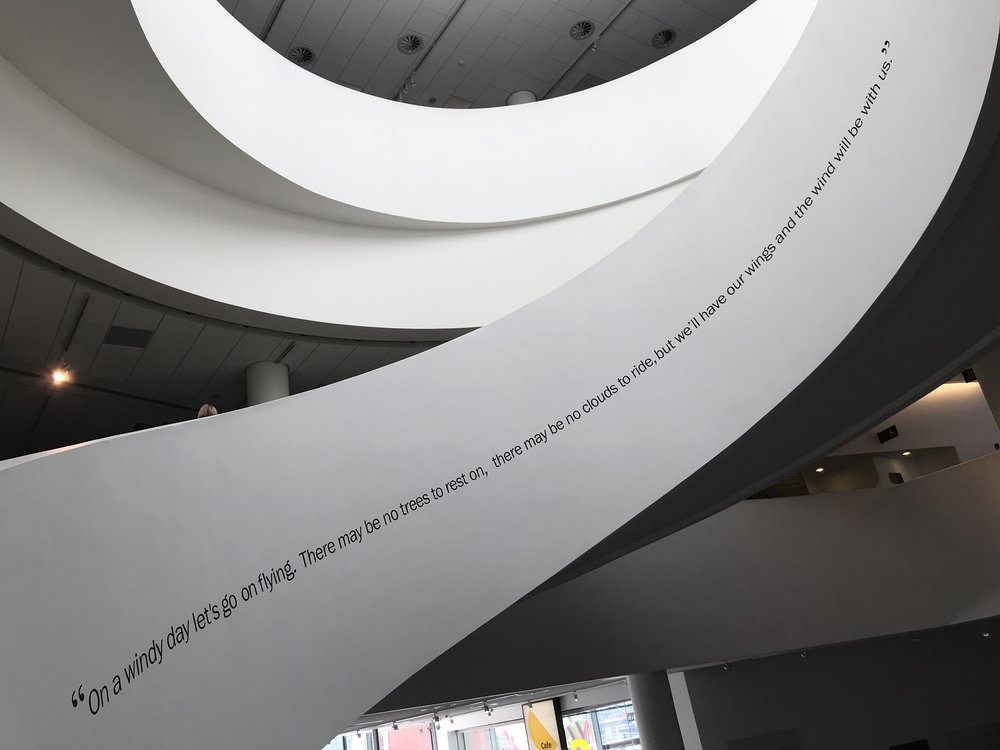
x=475 y=53
x=50 y=318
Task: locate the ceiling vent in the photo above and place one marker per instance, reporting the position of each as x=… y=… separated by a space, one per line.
x=301 y=56
x=409 y=44
x=136 y=338
x=582 y=29
x=663 y=38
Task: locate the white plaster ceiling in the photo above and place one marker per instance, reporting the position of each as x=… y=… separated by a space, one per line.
x=477 y=52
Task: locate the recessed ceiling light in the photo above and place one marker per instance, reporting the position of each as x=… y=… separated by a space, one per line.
x=819 y=470
x=906 y=453
x=582 y=29
x=301 y=56
x=663 y=38
x=60 y=375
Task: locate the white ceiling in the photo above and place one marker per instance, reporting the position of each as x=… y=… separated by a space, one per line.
x=477 y=52
x=188 y=360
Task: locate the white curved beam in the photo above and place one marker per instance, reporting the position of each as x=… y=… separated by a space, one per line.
x=627 y=137
x=189 y=216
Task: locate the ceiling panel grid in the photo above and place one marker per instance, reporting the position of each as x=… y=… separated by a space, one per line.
x=159 y=370
x=475 y=53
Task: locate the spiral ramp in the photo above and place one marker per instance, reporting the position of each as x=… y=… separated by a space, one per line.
x=640 y=346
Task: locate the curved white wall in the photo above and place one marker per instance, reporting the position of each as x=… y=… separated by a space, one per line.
x=106 y=548
x=153 y=222
x=115 y=163
x=635 y=134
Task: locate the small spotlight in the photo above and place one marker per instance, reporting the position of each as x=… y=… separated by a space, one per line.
x=726 y=666
x=576 y=696
x=451 y=719
x=986 y=634
x=60 y=375
x=819 y=470
x=906 y=453
x=804 y=654
x=359 y=734
x=395 y=727
x=529 y=703
x=486 y=706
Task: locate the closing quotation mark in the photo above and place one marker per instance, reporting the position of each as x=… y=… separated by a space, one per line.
x=885 y=49
x=78 y=692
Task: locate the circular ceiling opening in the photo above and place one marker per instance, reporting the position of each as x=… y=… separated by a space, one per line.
x=663 y=38
x=582 y=29
x=409 y=44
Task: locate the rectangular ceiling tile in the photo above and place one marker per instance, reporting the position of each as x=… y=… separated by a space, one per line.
x=170 y=343
x=324 y=359
x=91 y=312
x=10 y=274
x=361 y=360
x=209 y=351
x=38 y=310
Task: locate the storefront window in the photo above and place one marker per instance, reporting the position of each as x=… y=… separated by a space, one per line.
x=412 y=737
x=510 y=736
x=351 y=741
x=609 y=728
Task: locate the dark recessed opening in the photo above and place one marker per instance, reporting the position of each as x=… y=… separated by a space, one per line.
x=137 y=338
x=663 y=38
x=301 y=56
x=409 y=44
x=582 y=29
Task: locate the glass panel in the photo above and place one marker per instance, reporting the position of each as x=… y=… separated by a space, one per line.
x=618 y=727
x=477 y=739
x=405 y=738
x=351 y=741
x=511 y=736
x=580 y=733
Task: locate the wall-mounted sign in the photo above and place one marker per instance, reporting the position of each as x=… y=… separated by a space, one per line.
x=542 y=725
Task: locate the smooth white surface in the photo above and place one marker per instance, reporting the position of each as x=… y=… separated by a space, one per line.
x=627 y=137
x=151 y=221
x=107 y=546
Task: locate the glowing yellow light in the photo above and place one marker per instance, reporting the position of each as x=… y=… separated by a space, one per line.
x=819 y=470
x=60 y=376
x=906 y=453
